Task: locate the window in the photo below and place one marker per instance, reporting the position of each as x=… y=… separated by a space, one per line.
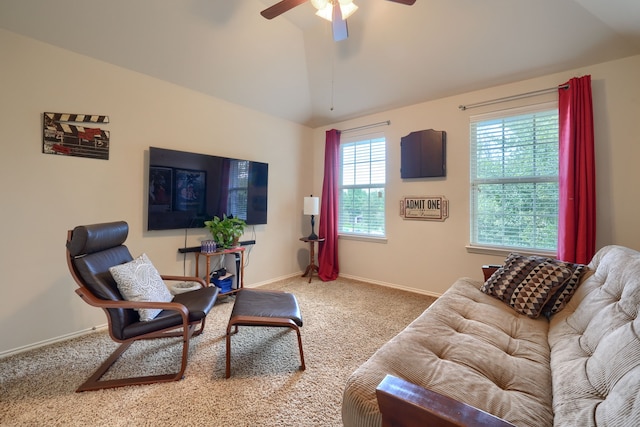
x=514 y=179
x=362 y=187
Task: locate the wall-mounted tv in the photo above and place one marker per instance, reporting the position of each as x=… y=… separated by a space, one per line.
x=186 y=189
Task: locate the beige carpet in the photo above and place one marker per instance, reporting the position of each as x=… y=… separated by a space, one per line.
x=344 y=323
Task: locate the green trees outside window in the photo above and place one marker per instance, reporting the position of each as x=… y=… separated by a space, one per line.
x=362 y=187
x=514 y=179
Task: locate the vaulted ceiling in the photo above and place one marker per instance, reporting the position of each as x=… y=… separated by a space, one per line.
x=289 y=67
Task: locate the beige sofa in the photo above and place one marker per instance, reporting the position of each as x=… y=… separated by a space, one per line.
x=579 y=367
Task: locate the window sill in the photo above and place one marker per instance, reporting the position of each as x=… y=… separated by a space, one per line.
x=363 y=238
x=504 y=251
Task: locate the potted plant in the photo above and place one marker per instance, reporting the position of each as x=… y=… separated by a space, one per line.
x=226 y=231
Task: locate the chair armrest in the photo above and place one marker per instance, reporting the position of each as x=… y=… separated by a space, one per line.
x=101 y=303
x=184 y=279
x=404 y=404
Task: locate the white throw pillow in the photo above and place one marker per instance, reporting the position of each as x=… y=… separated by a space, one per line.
x=138 y=280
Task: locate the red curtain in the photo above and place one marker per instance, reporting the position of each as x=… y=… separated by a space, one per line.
x=577 y=179
x=328 y=227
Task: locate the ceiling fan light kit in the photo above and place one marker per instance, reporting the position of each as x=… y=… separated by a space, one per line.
x=325 y=8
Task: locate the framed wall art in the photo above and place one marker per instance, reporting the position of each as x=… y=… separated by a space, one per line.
x=77 y=135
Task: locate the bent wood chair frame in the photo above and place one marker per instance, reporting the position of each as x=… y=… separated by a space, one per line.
x=188 y=330
x=236 y=321
x=252 y=312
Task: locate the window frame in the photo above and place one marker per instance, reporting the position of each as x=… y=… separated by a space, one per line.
x=474 y=245
x=360 y=139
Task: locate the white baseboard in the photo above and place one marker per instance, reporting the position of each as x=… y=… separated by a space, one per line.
x=61 y=338
x=360 y=279
x=392 y=285
x=277 y=279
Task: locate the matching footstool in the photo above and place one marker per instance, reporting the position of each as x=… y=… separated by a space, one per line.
x=255 y=307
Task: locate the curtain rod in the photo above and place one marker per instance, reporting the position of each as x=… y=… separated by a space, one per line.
x=372 y=125
x=513 y=97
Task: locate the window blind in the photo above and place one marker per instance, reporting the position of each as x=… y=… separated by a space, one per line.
x=362 y=187
x=514 y=178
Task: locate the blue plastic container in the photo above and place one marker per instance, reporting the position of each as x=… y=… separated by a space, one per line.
x=225 y=284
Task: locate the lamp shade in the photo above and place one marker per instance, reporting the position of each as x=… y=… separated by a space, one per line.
x=311 y=205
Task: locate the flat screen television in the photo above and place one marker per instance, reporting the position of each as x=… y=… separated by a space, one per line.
x=186 y=189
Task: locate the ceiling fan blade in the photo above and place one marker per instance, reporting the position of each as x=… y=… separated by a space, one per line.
x=338 y=25
x=280 y=8
x=407 y=2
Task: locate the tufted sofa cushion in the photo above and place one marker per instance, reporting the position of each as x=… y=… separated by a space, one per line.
x=471 y=347
x=595 y=348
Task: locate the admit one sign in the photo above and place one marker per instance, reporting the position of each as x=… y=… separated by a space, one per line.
x=427 y=208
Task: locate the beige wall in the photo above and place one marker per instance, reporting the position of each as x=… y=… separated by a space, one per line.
x=45 y=195
x=428 y=256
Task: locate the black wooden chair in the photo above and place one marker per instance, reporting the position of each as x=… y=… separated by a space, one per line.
x=91 y=250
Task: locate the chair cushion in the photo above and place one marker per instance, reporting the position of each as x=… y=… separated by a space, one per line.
x=259 y=303
x=138 y=280
x=199 y=303
x=87 y=239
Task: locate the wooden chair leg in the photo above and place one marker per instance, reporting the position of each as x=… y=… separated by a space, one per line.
x=302 y=365
x=228 y=344
x=277 y=323
x=227 y=371
x=264 y=308
x=94 y=383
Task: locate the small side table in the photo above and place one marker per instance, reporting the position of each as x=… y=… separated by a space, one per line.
x=209 y=255
x=312 y=256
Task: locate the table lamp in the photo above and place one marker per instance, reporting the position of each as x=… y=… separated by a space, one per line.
x=312 y=207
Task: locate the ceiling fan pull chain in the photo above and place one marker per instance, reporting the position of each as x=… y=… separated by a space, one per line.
x=333 y=74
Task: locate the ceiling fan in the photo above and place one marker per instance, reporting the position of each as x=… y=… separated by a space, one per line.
x=336 y=11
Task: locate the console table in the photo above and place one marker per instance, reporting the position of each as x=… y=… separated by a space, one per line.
x=209 y=255
x=312 y=256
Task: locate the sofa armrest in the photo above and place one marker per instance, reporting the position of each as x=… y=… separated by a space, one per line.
x=404 y=404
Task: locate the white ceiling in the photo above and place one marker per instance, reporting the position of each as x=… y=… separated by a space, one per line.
x=289 y=67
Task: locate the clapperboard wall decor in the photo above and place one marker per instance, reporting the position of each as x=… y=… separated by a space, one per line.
x=75 y=135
